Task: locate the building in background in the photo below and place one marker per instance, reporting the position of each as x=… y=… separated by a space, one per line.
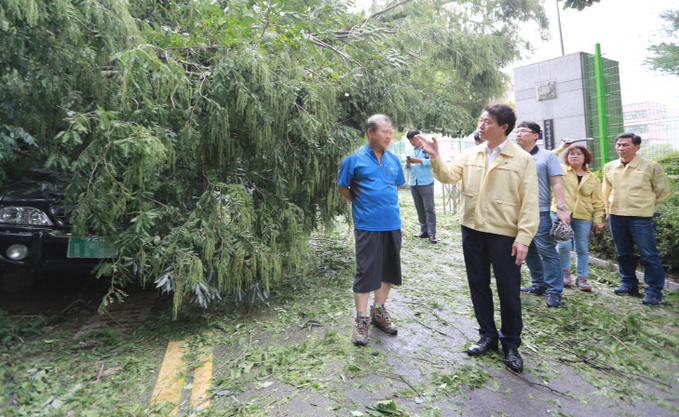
x=657 y=126
x=561 y=95
x=646 y=120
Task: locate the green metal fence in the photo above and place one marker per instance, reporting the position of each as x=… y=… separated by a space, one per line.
x=604 y=119
x=657 y=124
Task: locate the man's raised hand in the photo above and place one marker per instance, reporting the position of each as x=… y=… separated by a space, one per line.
x=430 y=146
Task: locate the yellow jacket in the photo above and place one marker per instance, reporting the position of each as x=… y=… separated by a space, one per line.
x=635 y=189
x=584 y=200
x=502 y=201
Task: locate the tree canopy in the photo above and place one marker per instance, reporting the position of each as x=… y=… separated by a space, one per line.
x=665 y=55
x=204 y=136
x=578 y=4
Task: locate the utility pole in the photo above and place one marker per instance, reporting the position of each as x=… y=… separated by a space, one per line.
x=558 y=19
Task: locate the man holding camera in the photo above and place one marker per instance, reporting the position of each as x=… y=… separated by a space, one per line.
x=421 y=184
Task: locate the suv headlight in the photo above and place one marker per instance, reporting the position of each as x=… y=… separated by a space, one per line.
x=29 y=216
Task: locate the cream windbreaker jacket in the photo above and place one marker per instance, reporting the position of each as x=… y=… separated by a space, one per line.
x=584 y=200
x=503 y=199
x=635 y=189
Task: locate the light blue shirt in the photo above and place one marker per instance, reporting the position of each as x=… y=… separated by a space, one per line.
x=374 y=188
x=547 y=165
x=420 y=174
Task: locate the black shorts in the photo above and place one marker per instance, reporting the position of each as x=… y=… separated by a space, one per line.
x=378 y=258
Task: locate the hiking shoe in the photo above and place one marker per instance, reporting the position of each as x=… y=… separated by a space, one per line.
x=567 y=278
x=533 y=289
x=651 y=300
x=361 y=327
x=582 y=284
x=553 y=300
x=381 y=319
x=625 y=290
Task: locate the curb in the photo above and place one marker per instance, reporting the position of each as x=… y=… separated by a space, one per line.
x=669 y=285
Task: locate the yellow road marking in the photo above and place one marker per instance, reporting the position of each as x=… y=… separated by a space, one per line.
x=201 y=381
x=169 y=385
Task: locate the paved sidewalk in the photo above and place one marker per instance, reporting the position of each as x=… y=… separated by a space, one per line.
x=424 y=371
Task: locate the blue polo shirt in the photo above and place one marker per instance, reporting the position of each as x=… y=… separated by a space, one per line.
x=420 y=174
x=374 y=187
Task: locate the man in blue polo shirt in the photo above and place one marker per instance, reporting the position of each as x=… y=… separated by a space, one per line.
x=421 y=184
x=369 y=179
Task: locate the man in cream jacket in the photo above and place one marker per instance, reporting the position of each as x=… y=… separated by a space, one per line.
x=632 y=188
x=499 y=216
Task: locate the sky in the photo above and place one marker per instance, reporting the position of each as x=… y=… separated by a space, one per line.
x=624 y=29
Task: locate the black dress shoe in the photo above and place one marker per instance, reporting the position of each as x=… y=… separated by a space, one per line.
x=422 y=235
x=513 y=359
x=482 y=346
x=432 y=239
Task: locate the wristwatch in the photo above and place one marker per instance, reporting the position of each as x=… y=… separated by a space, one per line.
x=564 y=208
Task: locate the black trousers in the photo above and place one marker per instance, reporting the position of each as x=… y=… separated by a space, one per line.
x=481 y=250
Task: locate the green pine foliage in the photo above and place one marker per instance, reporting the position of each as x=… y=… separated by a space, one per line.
x=578 y=4
x=665 y=55
x=204 y=137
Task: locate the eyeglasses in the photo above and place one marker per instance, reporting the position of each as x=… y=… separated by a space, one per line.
x=525 y=131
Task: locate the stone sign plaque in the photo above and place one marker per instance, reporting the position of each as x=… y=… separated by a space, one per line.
x=548 y=132
x=545 y=90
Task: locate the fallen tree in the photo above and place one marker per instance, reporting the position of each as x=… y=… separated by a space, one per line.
x=204 y=137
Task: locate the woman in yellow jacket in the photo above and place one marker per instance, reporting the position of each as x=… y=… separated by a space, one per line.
x=585 y=202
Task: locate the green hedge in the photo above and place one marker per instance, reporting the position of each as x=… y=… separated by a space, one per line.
x=666 y=235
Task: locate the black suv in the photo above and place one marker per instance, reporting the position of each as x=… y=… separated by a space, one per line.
x=35 y=236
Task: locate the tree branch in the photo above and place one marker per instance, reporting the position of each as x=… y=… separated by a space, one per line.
x=379 y=13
